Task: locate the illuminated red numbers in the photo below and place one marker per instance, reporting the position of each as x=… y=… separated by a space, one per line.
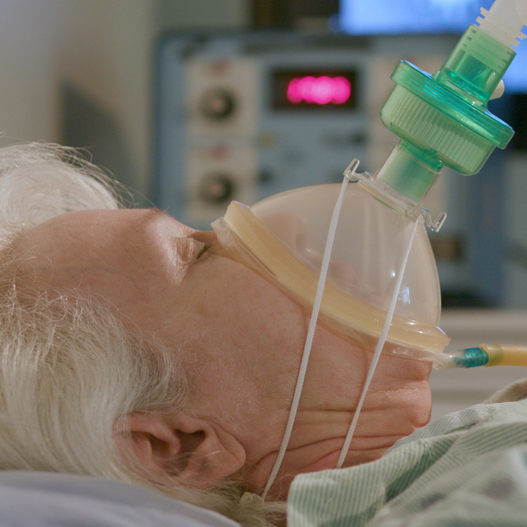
x=319 y=90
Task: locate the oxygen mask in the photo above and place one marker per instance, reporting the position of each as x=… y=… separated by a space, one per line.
x=358 y=257
x=283 y=238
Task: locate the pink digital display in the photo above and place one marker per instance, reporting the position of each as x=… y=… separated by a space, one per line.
x=314 y=89
x=319 y=90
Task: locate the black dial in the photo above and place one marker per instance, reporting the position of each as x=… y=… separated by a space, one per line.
x=217 y=188
x=217 y=104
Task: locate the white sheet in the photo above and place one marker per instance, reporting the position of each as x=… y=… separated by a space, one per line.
x=41 y=499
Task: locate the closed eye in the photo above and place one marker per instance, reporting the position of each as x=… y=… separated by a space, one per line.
x=203 y=250
x=210 y=244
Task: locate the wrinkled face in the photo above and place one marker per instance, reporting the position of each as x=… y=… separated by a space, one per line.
x=239 y=336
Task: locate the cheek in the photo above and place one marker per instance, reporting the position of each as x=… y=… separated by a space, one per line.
x=239 y=300
x=403 y=384
x=336 y=371
x=249 y=328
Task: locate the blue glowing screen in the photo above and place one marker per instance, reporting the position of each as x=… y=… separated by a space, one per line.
x=366 y=17
x=400 y=17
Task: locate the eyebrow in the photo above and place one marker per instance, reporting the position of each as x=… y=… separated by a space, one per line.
x=153 y=215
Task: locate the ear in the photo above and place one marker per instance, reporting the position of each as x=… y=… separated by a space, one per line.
x=182 y=446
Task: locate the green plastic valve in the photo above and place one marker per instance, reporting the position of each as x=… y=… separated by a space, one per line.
x=443 y=119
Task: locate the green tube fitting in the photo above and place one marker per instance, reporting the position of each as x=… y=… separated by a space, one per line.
x=443 y=119
x=410 y=171
x=476 y=66
x=471 y=358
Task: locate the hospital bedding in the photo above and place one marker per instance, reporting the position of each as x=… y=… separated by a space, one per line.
x=466 y=469
x=40 y=499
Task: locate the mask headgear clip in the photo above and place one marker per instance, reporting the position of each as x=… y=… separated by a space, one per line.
x=394 y=198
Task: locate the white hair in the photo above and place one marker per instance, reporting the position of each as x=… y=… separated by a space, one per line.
x=40 y=181
x=69 y=370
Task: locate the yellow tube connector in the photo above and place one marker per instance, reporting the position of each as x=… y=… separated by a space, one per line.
x=505 y=355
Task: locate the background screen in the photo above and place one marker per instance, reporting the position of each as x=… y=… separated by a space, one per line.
x=412 y=17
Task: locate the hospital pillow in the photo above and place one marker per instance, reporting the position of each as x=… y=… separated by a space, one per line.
x=42 y=499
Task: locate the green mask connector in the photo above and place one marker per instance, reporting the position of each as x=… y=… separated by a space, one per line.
x=443 y=120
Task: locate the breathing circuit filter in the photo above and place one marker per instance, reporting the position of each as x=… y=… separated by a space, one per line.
x=442 y=119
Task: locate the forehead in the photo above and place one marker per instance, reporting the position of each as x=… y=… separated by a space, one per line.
x=99 y=228
x=80 y=246
x=108 y=223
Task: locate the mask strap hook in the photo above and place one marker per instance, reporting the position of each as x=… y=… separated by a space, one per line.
x=379 y=347
x=311 y=330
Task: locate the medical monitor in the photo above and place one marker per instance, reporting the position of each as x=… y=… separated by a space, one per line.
x=418 y=17
x=374 y=17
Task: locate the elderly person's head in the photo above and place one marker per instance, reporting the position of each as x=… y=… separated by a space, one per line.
x=131 y=349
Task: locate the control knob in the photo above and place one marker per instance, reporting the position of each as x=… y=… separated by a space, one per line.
x=217 y=188
x=217 y=103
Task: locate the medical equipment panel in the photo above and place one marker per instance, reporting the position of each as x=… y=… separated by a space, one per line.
x=242 y=116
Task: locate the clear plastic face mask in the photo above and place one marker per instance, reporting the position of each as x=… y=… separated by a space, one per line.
x=365 y=269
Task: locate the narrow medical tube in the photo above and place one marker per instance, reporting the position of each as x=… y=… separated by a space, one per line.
x=483 y=355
